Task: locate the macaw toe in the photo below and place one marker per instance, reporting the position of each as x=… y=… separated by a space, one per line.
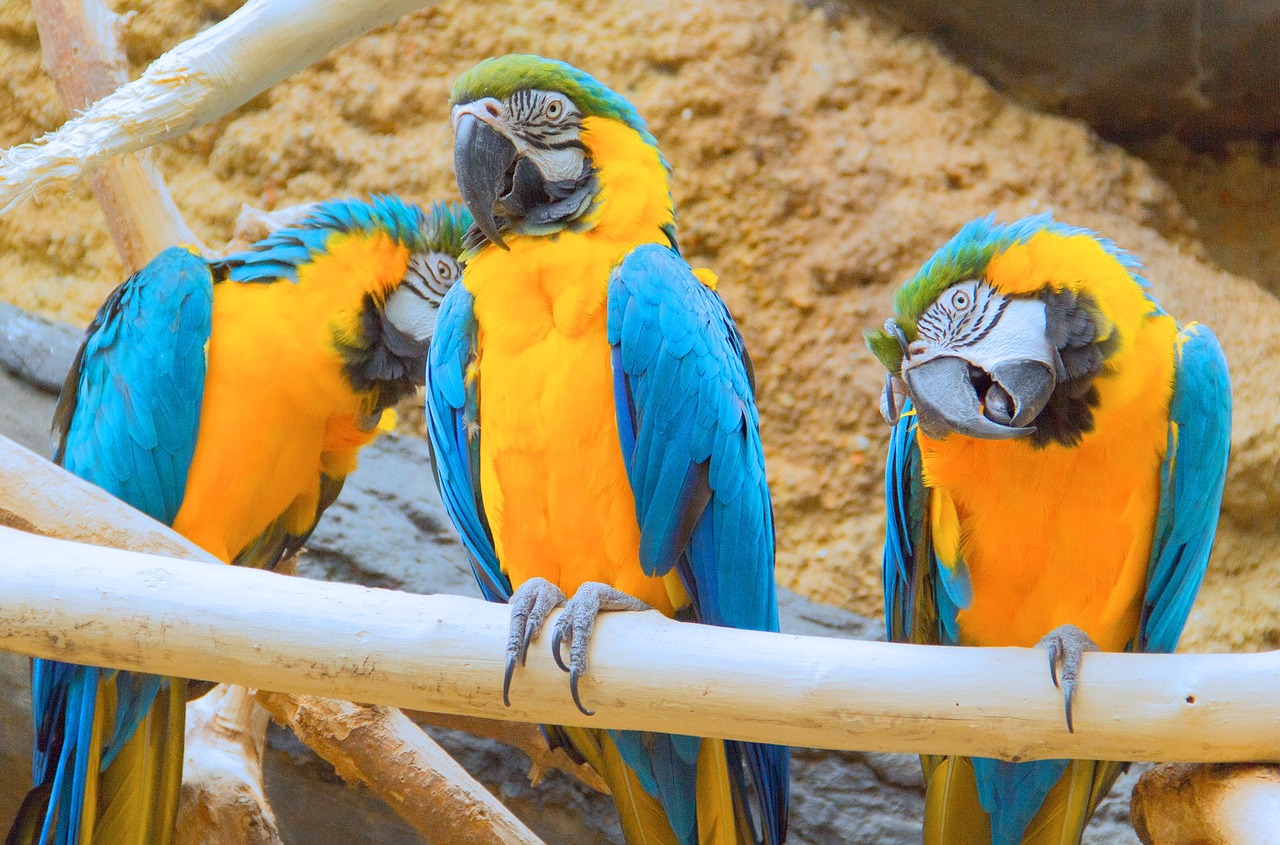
x=576 y=624
x=530 y=607
x=1067 y=644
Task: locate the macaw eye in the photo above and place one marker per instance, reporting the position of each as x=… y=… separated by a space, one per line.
x=553 y=109
x=444 y=270
x=960 y=300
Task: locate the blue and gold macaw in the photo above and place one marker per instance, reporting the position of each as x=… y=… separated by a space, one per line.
x=591 y=413
x=1055 y=472
x=228 y=399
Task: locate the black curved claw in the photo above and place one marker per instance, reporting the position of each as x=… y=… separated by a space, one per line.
x=557 y=637
x=1054 y=650
x=576 y=624
x=574 y=675
x=530 y=606
x=506 y=679
x=1068 y=693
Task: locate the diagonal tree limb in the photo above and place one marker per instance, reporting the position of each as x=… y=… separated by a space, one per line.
x=79 y=41
x=521 y=736
x=380 y=747
x=195 y=83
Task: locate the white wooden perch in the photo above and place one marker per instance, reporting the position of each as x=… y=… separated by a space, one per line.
x=442 y=653
x=195 y=83
x=39 y=497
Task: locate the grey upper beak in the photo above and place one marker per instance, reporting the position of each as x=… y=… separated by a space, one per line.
x=946 y=400
x=483 y=161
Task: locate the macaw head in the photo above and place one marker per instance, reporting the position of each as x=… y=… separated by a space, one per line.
x=519 y=152
x=1004 y=332
x=378 y=269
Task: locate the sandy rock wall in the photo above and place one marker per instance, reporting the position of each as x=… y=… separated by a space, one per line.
x=820 y=156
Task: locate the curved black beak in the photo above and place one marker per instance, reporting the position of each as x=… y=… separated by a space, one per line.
x=483 y=161
x=946 y=398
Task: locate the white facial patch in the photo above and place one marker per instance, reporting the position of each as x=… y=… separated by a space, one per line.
x=413 y=305
x=411 y=314
x=972 y=320
x=563 y=165
x=1019 y=334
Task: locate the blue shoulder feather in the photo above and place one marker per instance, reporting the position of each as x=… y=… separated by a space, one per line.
x=129 y=414
x=922 y=598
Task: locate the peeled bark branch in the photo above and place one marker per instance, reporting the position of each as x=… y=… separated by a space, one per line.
x=445 y=653
x=196 y=82
x=79 y=40
x=358 y=740
x=222 y=797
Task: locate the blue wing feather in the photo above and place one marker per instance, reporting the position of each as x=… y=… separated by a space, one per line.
x=923 y=598
x=1194 y=471
x=127 y=421
x=451 y=425
x=691 y=443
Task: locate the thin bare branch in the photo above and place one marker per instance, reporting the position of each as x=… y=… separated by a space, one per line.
x=195 y=83
x=80 y=44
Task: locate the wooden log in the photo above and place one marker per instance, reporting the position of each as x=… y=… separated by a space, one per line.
x=445 y=653
x=223 y=802
x=1208 y=804
x=195 y=83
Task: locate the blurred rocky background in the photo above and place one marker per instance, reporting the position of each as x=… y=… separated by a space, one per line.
x=822 y=151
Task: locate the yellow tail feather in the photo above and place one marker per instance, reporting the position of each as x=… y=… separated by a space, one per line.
x=643 y=820
x=720 y=822
x=137 y=801
x=953 y=816
x=1068 y=807
x=721 y=818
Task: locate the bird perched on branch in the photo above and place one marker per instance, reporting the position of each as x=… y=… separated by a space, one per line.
x=1055 y=473
x=591 y=412
x=228 y=399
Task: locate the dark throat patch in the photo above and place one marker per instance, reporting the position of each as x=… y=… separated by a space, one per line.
x=1084 y=340
x=381 y=358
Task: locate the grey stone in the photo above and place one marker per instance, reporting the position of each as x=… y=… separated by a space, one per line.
x=389 y=529
x=1131 y=68
x=36 y=350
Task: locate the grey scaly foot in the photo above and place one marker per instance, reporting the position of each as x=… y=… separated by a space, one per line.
x=530 y=606
x=576 y=623
x=1067 y=644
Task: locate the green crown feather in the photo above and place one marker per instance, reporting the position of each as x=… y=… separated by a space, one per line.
x=966 y=256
